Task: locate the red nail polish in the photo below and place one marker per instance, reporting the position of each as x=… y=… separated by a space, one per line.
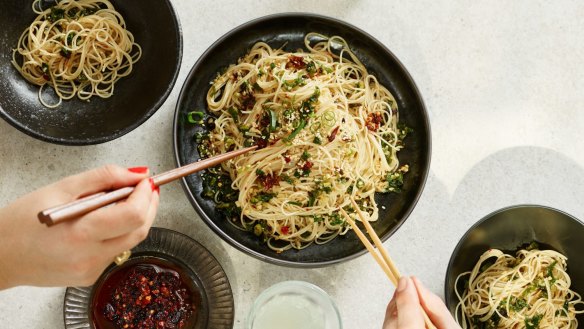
x=157 y=190
x=152 y=185
x=138 y=170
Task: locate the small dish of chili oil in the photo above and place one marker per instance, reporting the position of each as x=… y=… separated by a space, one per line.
x=146 y=293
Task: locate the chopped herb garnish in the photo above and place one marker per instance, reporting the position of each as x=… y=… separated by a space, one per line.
x=257 y=87
x=82 y=77
x=88 y=11
x=287 y=178
x=532 y=246
x=550 y=270
x=65 y=52
x=403 y=131
x=533 y=322
x=311 y=68
x=298 y=128
x=258 y=229
x=70 y=37
x=56 y=14
x=234 y=114
x=196 y=117
x=262 y=197
x=273 y=121
x=395 y=182
x=305 y=155
x=336 y=219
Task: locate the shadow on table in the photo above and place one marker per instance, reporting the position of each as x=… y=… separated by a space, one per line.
x=519 y=175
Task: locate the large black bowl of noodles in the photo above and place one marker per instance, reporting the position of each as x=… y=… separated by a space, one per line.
x=288 y=31
x=136 y=97
x=513 y=228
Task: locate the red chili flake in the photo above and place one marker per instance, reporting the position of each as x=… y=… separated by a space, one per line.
x=334 y=134
x=373 y=121
x=248 y=101
x=285 y=230
x=264 y=121
x=296 y=62
x=262 y=142
x=287 y=158
x=46 y=77
x=307 y=165
x=148 y=296
x=269 y=181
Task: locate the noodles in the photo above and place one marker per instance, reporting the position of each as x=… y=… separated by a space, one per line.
x=531 y=290
x=78 y=47
x=327 y=132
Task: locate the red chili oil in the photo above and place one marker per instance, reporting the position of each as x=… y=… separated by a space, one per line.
x=146 y=293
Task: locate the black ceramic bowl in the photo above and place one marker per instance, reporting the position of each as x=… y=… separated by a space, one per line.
x=290 y=29
x=509 y=228
x=156 y=29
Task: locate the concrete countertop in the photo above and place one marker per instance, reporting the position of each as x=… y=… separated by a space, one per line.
x=503 y=83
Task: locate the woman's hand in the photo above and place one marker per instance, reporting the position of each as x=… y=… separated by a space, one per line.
x=74 y=253
x=404 y=311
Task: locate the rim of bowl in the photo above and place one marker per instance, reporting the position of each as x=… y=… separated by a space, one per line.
x=233 y=242
x=292 y=284
x=100 y=140
x=486 y=218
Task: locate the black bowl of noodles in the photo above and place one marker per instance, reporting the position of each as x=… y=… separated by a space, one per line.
x=136 y=97
x=509 y=230
x=289 y=30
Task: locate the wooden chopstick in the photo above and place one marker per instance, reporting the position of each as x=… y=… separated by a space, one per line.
x=377 y=241
x=381 y=256
x=71 y=210
x=370 y=248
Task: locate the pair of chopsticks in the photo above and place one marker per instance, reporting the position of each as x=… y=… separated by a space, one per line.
x=380 y=255
x=80 y=207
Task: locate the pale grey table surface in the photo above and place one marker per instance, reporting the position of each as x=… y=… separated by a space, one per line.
x=503 y=83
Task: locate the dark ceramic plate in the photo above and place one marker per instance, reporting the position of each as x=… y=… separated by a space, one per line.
x=290 y=29
x=509 y=228
x=216 y=309
x=156 y=29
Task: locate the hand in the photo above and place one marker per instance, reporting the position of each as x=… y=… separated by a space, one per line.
x=76 y=252
x=404 y=311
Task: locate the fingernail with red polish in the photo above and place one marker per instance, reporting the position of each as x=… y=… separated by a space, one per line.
x=157 y=190
x=152 y=185
x=138 y=170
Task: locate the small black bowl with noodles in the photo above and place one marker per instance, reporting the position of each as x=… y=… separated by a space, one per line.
x=518 y=267
x=86 y=72
x=336 y=117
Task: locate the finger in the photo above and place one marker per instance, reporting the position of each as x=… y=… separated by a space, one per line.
x=121 y=218
x=434 y=307
x=102 y=179
x=390 y=321
x=409 y=311
x=130 y=240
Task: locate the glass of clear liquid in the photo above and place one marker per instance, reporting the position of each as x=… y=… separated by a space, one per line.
x=294 y=305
